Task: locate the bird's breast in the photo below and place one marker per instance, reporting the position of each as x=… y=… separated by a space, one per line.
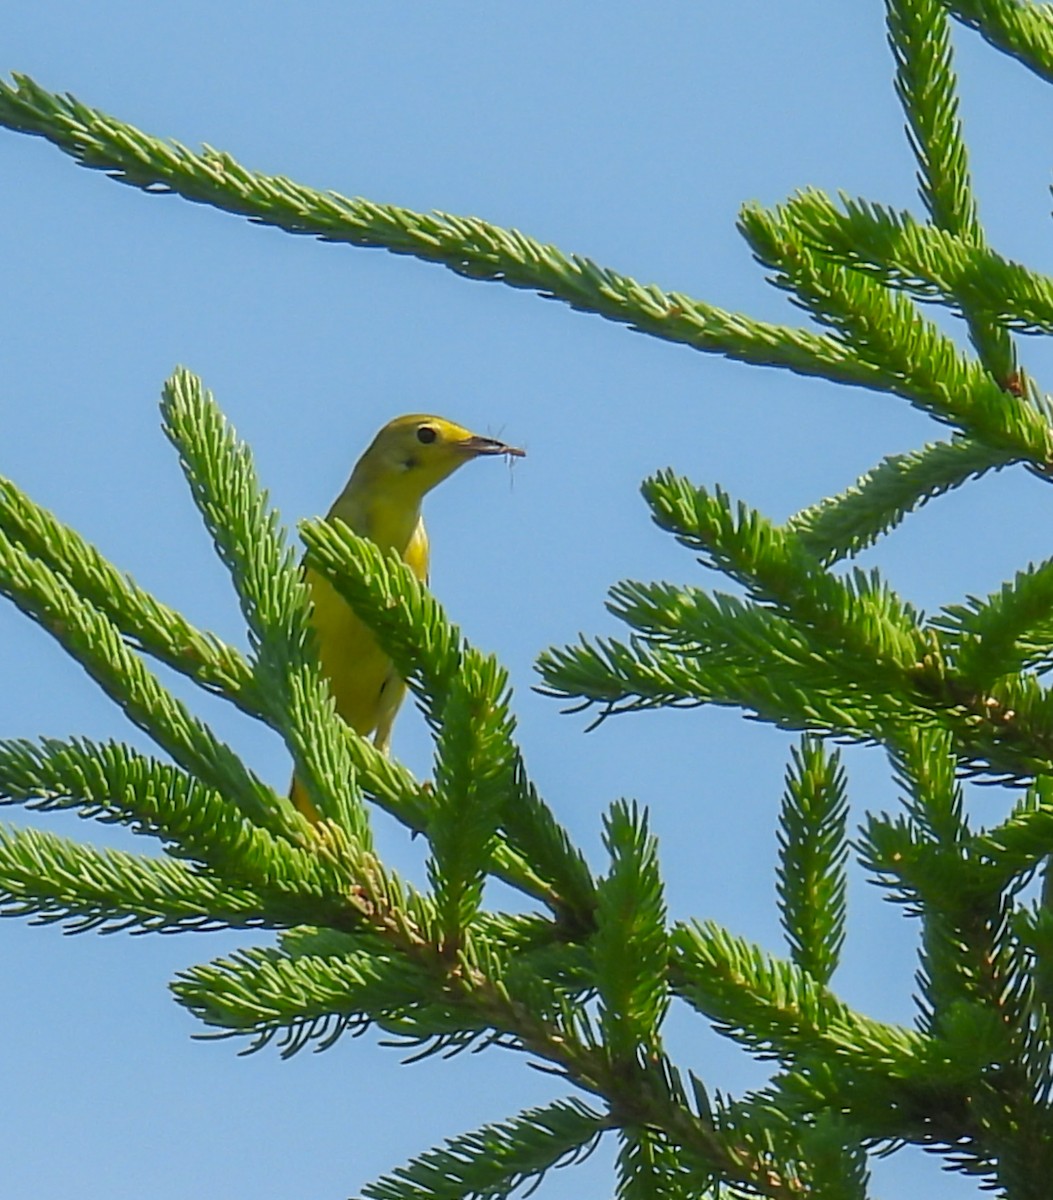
x=416 y=553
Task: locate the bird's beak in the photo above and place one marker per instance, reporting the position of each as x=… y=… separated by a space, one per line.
x=483 y=445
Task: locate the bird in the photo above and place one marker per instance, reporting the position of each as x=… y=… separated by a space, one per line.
x=382 y=501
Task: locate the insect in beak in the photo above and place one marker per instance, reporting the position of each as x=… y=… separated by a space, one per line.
x=483 y=445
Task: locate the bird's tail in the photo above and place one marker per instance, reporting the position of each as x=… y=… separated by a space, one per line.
x=298 y=795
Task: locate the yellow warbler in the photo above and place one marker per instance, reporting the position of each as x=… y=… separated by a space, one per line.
x=382 y=501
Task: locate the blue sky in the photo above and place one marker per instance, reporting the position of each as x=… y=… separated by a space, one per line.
x=629 y=133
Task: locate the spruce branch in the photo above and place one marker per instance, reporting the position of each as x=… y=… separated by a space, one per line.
x=925 y=764
x=466 y=245
x=499 y=1158
x=975 y=967
x=884 y=327
x=1022 y=30
x=430 y=653
x=978 y=991
x=113 y=783
x=531 y=827
x=650 y=1167
x=843 y=526
x=776 y=1009
x=1019 y=845
x=249 y=540
x=824 y=654
x=53 y=879
x=316 y=998
x=813 y=852
x=837 y=1162
x=475 y=761
x=932 y=264
x=891 y=1082
x=629 y=948
x=1009 y=632
x=264 y=993
x=919 y=34
x=96 y=642
x=790 y=683
x=147 y=623
x=823 y=1148
x=644 y=1091
x=862 y=616
x=799 y=683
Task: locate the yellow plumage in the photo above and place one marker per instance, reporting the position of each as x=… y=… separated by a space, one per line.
x=382 y=501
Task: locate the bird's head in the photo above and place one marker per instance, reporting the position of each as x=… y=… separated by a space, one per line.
x=415 y=452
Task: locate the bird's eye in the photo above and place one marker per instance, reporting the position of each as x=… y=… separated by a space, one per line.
x=426 y=434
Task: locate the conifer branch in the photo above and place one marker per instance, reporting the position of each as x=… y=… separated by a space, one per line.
x=822 y=1149
x=789 y=683
x=919 y=34
x=1017 y=846
x=934 y=265
x=93 y=639
x=1018 y=28
x=863 y=615
x=842 y=526
x=273 y=596
x=773 y=1007
x=466 y=245
x=885 y=328
x=430 y=653
x=114 y=784
x=145 y=621
x=314 y=998
x=475 y=761
x=497 y=1159
x=546 y=846
x=629 y=948
x=978 y=992
x=650 y=1167
x=813 y=852
x=891 y=1082
x=53 y=879
x=1010 y=631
